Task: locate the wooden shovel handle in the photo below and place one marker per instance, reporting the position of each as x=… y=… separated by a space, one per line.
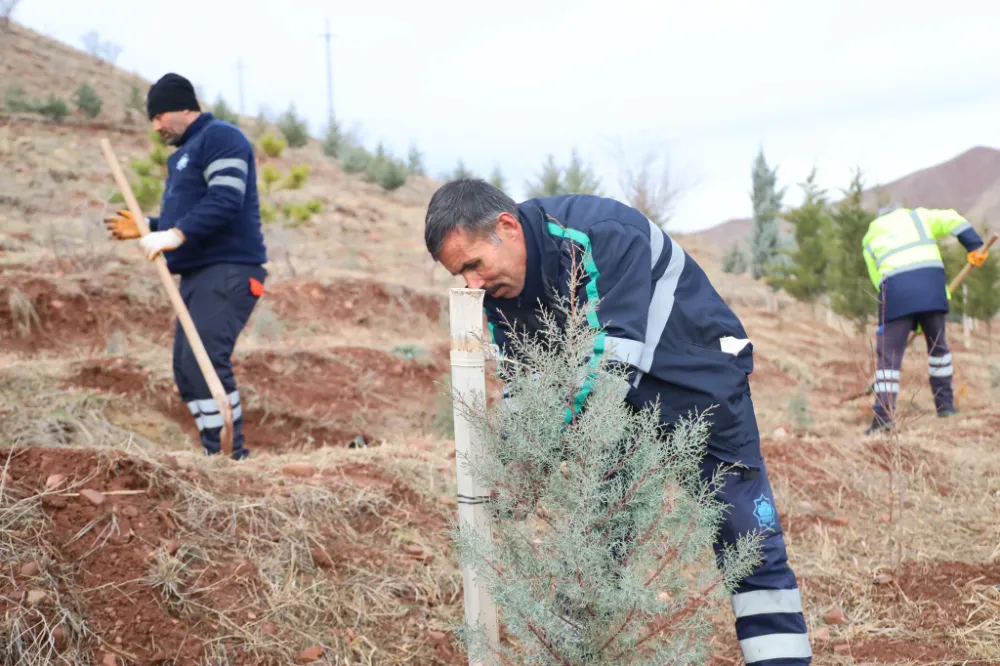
x=968 y=267
x=207 y=370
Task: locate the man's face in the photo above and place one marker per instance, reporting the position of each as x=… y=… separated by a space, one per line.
x=495 y=262
x=171 y=125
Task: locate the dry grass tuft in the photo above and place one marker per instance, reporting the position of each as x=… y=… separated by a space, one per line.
x=23 y=312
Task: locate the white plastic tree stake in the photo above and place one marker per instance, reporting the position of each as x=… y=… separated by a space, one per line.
x=468 y=379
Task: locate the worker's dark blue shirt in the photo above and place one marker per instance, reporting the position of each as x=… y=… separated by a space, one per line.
x=211 y=196
x=659 y=313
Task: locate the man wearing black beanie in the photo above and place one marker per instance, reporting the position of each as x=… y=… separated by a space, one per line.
x=210 y=234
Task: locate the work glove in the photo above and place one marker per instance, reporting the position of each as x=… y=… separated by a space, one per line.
x=122 y=225
x=156 y=242
x=977 y=257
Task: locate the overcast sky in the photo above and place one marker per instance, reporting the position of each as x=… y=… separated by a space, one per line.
x=893 y=87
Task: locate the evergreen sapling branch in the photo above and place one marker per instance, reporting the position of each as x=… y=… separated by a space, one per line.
x=603 y=526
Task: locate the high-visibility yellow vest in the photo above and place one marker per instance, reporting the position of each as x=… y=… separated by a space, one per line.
x=905 y=240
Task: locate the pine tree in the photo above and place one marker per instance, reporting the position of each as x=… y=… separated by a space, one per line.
x=293 y=128
x=766 y=200
x=415 y=161
x=984 y=290
x=333 y=139
x=461 y=171
x=223 y=111
x=88 y=101
x=575 y=178
x=497 y=180
x=955 y=258
x=852 y=294
x=579 y=178
x=734 y=262
x=600 y=550
x=549 y=181
x=806 y=274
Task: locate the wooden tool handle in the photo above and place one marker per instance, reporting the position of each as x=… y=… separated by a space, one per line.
x=968 y=267
x=187 y=324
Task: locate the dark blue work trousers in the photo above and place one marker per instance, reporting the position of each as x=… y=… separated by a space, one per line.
x=770 y=624
x=891 y=342
x=220 y=301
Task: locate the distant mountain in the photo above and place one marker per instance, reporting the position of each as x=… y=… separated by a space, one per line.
x=969 y=183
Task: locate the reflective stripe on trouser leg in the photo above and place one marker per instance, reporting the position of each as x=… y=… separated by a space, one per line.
x=889 y=349
x=220 y=302
x=206 y=412
x=939 y=367
x=770 y=624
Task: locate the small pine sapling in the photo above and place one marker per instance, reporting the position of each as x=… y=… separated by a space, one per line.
x=603 y=530
x=272 y=145
x=292 y=214
x=88 y=101
x=151 y=174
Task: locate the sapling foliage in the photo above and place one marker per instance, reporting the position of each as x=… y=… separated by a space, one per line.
x=601 y=549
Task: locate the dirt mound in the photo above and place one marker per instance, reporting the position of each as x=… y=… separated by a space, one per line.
x=914 y=460
x=100 y=543
x=939 y=588
x=896 y=651
x=39 y=313
x=767 y=376
x=359 y=302
x=299 y=399
x=130 y=560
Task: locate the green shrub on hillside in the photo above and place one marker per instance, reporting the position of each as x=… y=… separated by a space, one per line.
x=88 y=101
x=269 y=175
x=151 y=174
x=297 y=176
x=272 y=145
x=222 y=111
x=333 y=140
x=292 y=214
x=16 y=100
x=355 y=158
x=293 y=128
x=415 y=162
x=385 y=170
x=53 y=107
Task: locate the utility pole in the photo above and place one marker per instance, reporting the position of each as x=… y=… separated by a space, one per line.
x=329 y=74
x=239 y=68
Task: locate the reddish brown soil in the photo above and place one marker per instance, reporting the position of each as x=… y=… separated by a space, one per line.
x=768 y=377
x=311 y=399
x=358 y=302
x=128 y=610
x=937 y=587
x=83 y=320
x=926 y=598
x=104 y=581
x=914 y=460
x=801 y=461
x=894 y=651
x=846 y=378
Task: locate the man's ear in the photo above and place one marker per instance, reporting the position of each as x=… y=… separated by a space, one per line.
x=508 y=227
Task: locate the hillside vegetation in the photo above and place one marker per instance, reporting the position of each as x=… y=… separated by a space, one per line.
x=121 y=544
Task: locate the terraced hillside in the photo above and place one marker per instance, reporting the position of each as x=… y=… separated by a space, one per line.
x=121 y=544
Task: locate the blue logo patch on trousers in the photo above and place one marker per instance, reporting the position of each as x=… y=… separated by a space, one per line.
x=763 y=511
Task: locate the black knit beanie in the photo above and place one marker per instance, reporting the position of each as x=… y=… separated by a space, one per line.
x=171 y=93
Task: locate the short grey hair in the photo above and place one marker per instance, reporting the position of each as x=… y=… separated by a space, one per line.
x=469 y=204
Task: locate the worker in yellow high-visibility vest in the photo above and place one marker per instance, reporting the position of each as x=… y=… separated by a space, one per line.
x=905 y=265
